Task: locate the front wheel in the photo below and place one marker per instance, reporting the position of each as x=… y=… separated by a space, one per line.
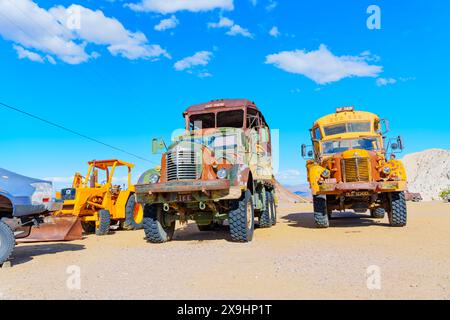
x=155 y=228
x=242 y=219
x=7 y=242
x=103 y=223
x=320 y=211
x=398 y=212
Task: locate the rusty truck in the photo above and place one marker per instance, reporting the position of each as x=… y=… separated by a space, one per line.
x=348 y=167
x=219 y=169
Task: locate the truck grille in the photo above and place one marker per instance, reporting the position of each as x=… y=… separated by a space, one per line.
x=181 y=165
x=355 y=169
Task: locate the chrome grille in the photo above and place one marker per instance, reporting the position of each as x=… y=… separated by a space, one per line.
x=355 y=169
x=181 y=165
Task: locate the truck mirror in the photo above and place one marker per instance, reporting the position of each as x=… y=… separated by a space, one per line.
x=310 y=154
x=386 y=126
x=157 y=145
x=303 y=150
x=394 y=146
x=400 y=142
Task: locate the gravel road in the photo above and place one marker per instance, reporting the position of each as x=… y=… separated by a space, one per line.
x=358 y=258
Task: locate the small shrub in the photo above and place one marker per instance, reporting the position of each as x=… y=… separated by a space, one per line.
x=444 y=193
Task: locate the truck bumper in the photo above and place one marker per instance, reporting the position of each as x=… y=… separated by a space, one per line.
x=382 y=186
x=183 y=191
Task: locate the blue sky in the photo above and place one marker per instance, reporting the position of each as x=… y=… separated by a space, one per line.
x=126 y=72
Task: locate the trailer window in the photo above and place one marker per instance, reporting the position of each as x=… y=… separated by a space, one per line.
x=202 y=121
x=230 y=119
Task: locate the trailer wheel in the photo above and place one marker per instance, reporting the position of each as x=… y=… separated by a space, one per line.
x=88 y=227
x=134 y=214
x=7 y=242
x=398 y=212
x=102 y=227
x=154 y=227
x=242 y=219
x=265 y=219
x=273 y=209
x=377 y=213
x=321 y=211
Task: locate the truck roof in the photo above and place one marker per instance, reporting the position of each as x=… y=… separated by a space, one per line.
x=338 y=117
x=103 y=164
x=219 y=104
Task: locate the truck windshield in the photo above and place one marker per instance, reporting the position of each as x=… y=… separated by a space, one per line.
x=223 y=119
x=336 y=146
x=347 y=127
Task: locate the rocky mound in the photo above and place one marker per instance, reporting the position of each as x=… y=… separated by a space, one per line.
x=428 y=172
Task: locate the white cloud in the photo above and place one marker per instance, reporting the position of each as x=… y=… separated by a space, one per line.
x=271 y=5
x=171 y=6
x=23 y=53
x=200 y=58
x=381 y=82
x=169 y=23
x=291 y=176
x=233 y=29
x=322 y=66
x=64 y=33
x=274 y=32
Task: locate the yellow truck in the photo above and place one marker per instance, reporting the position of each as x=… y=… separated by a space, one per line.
x=348 y=167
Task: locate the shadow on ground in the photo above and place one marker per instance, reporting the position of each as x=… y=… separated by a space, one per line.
x=339 y=220
x=25 y=253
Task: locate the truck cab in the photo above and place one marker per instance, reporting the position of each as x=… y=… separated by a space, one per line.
x=348 y=167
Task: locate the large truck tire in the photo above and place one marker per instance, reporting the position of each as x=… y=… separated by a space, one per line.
x=133 y=215
x=242 y=219
x=154 y=227
x=104 y=223
x=273 y=209
x=398 y=212
x=377 y=213
x=320 y=211
x=265 y=219
x=7 y=242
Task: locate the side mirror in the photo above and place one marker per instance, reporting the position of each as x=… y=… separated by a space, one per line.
x=310 y=154
x=394 y=146
x=385 y=122
x=157 y=145
x=303 y=150
x=400 y=143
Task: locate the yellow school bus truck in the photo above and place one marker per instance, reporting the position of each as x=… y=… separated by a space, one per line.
x=352 y=165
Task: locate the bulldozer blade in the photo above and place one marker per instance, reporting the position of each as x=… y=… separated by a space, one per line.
x=55 y=228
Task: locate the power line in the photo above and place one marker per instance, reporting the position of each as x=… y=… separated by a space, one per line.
x=73 y=132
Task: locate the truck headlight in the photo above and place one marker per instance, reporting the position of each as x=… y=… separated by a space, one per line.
x=154 y=178
x=222 y=173
x=386 y=170
x=326 y=173
x=43 y=193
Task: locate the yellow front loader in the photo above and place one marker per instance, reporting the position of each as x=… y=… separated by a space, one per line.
x=100 y=204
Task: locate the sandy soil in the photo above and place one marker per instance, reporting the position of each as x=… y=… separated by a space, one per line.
x=290 y=261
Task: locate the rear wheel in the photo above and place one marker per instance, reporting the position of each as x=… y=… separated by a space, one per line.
x=242 y=219
x=134 y=214
x=7 y=242
x=321 y=211
x=103 y=223
x=273 y=209
x=265 y=218
x=398 y=211
x=156 y=230
x=377 y=213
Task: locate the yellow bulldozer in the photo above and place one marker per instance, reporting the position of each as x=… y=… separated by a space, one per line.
x=100 y=204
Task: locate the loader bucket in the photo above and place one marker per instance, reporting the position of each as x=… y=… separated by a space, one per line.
x=55 y=228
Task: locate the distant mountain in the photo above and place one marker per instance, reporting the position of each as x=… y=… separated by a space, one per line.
x=301 y=190
x=428 y=172
x=286 y=196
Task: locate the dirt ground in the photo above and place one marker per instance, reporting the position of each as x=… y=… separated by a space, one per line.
x=292 y=260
